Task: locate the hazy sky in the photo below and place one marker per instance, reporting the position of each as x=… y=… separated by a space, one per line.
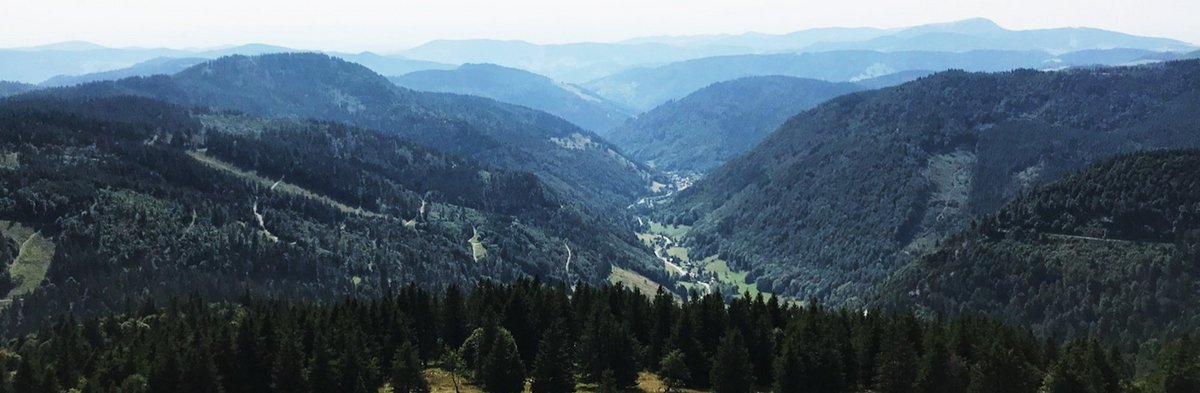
x=383 y=25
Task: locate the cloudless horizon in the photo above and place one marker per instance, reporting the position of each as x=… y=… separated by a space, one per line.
x=386 y=26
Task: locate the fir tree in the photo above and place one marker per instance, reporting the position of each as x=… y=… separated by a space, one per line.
x=732 y=371
x=552 y=370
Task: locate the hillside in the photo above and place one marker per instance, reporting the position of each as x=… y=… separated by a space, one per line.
x=842 y=195
x=13 y=88
x=703 y=130
x=645 y=88
x=144 y=199
x=1108 y=252
x=157 y=66
x=574 y=162
x=524 y=88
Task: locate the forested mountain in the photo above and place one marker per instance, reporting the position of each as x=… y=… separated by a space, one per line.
x=13 y=88
x=842 y=195
x=574 y=162
x=1113 y=252
x=524 y=88
x=106 y=199
x=645 y=88
x=703 y=130
x=496 y=338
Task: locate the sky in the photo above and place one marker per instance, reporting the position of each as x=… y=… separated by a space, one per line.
x=389 y=25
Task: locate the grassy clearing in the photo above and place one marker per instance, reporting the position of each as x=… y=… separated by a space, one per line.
x=633 y=280
x=726 y=275
x=675 y=232
x=33 y=259
x=440 y=381
x=478 y=250
x=679 y=252
x=274 y=185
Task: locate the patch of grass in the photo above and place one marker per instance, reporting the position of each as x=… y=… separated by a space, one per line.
x=634 y=280
x=32 y=261
x=675 y=232
x=648 y=382
x=679 y=252
x=726 y=275
x=478 y=250
x=440 y=381
x=646 y=238
x=280 y=186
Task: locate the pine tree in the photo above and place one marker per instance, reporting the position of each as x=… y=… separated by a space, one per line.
x=933 y=368
x=453 y=318
x=164 y=377
x=732 y=371
x=673 y=371
x=287 y=372
x=896 y=372
x=406 y=373
x=27 y=378
x=501 y=370
x=552 y=370
x=1178 y=370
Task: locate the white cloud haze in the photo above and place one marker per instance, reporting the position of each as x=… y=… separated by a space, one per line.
x=383 y=25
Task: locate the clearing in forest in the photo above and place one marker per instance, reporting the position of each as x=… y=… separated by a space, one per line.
x=29 y=268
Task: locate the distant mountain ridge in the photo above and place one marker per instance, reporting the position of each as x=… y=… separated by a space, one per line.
x=645 y=88
x=524 y=88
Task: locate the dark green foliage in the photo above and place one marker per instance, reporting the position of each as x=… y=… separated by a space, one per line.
x=1107 y=252
x=357 y=345
x=839 y=197
x=1084 y=367
x=407 y=373
x=712 y=125
x=673 y=371
x=607 y=349
x=732 y=371
x=1178 y=368
x=553 y=370
x=500 y=368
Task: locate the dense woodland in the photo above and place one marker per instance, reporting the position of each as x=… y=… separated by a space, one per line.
x=842 y=195
x=115 y=185
x=700 y=132
x=499 y=337
x=1113 y=252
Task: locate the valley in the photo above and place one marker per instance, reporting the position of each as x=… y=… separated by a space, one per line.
x=954 y=207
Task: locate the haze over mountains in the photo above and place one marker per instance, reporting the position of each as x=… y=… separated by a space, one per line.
x=568 y=101
x=792 y=212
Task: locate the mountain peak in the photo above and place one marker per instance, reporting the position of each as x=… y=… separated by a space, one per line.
x=965 y=26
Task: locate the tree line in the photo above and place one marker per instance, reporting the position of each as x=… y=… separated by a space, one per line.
x=500 y=337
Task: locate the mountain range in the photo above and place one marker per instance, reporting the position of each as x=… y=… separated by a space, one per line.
x=645 y=88
x=520 y=87
x=575 y=162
